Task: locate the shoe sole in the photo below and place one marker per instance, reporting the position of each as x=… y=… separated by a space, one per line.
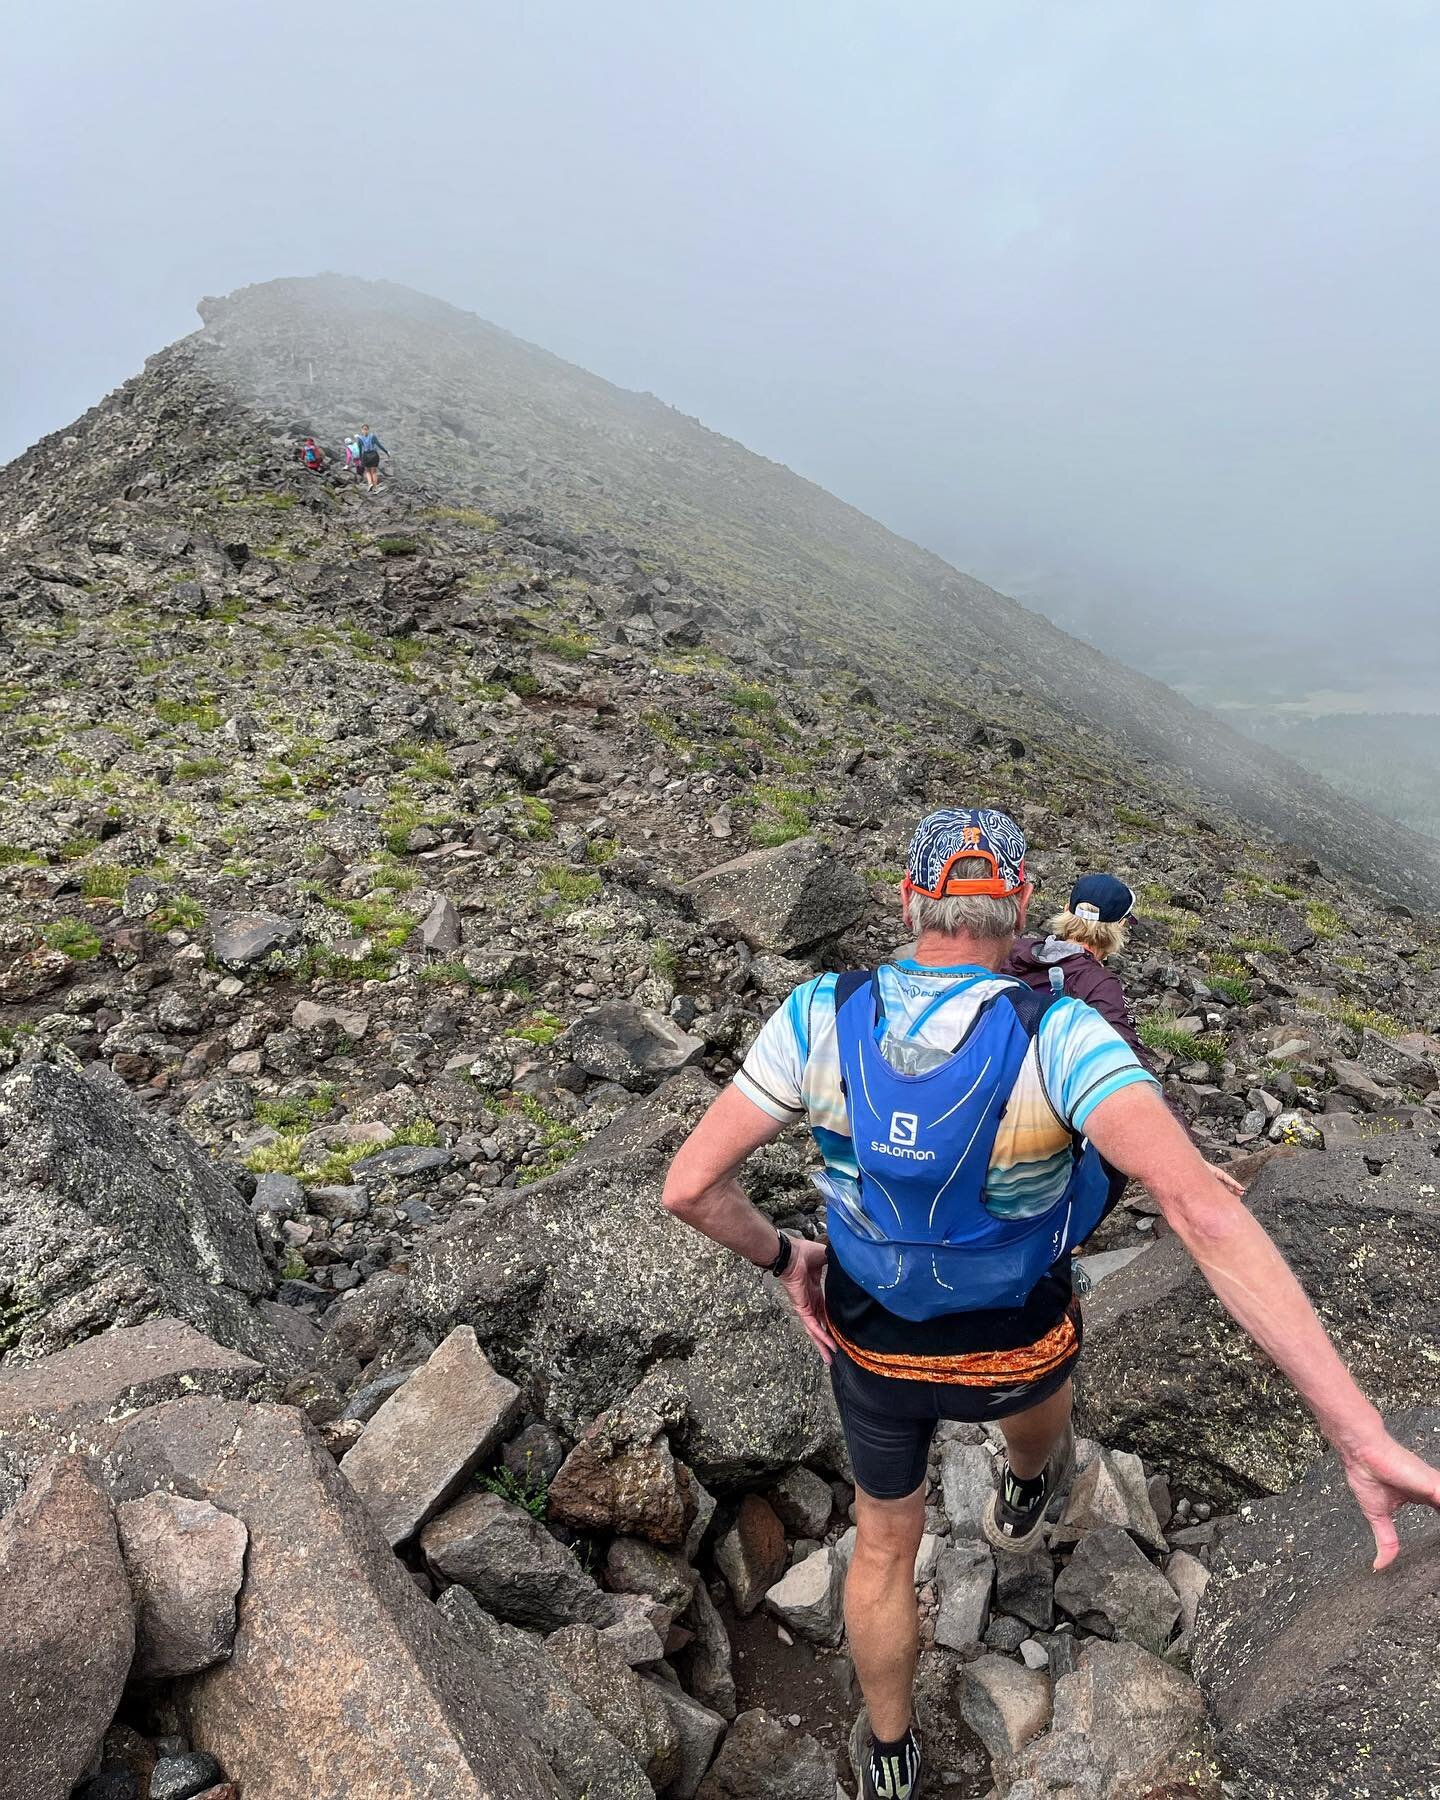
x=1019 y=1545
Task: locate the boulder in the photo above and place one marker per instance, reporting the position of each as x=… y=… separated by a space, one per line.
x=751 y=1554
x=622 y=1477
x=783 y=899
x=79 y=1399
x=630 y=1709
x=185 y=1560
x=1125 y=1725
x=963 y=1576
x=512 y=1565
x=803 y=1501
x=580 y=1284
x=426 y=1440
x=69 y=1630
x=1025 y=1587
x=1109 y=1587
x=763 y=1759
x=1168 y=1374
x=240 y=940
x=185 y=1777
x=321 y=1584
x=527 y=1691
x=1110 y=1490
x=806 y=1599
x=1321 y=1674
x=699 y=1730
x=967 y=1485
x=630 y=1044
x=440 y=929
x=110 y=1216
x=1004 y=1703
x=706 y=1664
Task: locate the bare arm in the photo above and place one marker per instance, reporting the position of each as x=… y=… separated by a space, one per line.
x=701 y=1188
x=1134 y=1130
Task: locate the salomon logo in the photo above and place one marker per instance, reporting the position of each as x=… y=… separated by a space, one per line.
x=905 y=1152
x=903 y=1128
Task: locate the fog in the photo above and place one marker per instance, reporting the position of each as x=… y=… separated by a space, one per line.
x=1128 y=309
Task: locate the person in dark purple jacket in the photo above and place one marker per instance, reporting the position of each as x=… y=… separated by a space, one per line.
x=1093 y=927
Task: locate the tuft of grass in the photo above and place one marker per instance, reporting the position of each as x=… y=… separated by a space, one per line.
x=105 y=881
x=1359 y=1018
x=1127 y=815
x=396 y=546
x=1323 y=920
x=286 y=1156
x=13 y=857
x=446 y=974
x=539 y=818
x=188 y=712
x=79 y=941
x=76 y=847
x=664 y=959
x=182 y=913
x=1161 y=1032
x=570 y=646
x=569 y=887
x=1234 y=988
x=1257 y=946
x=285 y=1113
x=428 y=760
x=751 y=697
x=541 y=1029
x=559 y=1141
x=199 y=768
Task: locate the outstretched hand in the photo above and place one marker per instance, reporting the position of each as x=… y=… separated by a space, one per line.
x=1384 y=1476
x=804 y=1282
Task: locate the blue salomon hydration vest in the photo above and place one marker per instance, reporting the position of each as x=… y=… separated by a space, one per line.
x=918 y=1236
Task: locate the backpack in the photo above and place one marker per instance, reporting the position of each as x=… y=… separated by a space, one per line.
x=916 y=1233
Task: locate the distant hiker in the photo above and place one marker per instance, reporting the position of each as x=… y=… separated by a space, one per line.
x=371 y=450
x=312 y=456
x=352 y=454
x=960 y=1116
x=1073 y=958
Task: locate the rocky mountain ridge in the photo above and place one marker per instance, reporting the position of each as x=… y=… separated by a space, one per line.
x=385 y=884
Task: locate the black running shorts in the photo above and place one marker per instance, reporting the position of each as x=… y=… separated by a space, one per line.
x=890 y=1423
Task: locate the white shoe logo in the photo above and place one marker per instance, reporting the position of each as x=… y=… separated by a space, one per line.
x=903 y=1130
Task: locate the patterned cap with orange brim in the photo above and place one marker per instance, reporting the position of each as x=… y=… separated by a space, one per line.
x=956 y=833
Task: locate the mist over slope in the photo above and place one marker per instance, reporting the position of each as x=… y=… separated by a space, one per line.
x=473 y=408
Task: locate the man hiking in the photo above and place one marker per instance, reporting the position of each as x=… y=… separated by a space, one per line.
x=962 y=1118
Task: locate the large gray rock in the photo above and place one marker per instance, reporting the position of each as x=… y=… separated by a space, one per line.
x=109 y=1216
x=1004 y=1703
x=783 y=899
x=185 y=1560
x=807 y=1597
x=630 y=1709
x=631 y=1044
x=240 y=940
x=963 y=1577
x=512 y=1565
x=1168 y=1374
x=526 y=1691
x=1110 y=1587
x=967 y=1485
x=344 y=1679
x=1320 y=1673
x=68 y=1633
x=79 y=1399
x=581 y=1284
x=698 y=1730
x=425 y=1441
x=1110 y=1490
x=1125 y=1725
x=764 y=1759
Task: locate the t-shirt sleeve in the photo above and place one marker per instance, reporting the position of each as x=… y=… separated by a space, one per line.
x=773 y=1072
x=1084 y=1060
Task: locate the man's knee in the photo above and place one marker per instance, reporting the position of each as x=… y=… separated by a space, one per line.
x=887 y=1534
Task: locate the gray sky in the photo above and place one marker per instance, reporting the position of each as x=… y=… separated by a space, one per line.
x=1129 y=308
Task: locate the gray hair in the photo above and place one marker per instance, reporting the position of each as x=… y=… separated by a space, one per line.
x=984 y=916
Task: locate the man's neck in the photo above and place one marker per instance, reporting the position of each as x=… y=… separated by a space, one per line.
x=934 y=950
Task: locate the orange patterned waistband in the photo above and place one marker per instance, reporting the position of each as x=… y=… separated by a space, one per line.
x=975 y=1368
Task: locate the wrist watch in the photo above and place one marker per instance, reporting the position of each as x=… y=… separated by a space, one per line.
x=783 y=1254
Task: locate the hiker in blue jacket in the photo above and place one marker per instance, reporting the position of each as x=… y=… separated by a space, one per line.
x=961 y=1117
x=371 y=450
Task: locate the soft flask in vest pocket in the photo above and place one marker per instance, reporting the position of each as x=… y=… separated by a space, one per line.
x=914 y=1231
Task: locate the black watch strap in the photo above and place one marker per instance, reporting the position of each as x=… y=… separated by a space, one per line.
x=783 y=1254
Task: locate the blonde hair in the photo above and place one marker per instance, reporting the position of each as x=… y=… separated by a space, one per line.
x=1103 y=936
x=984 y=916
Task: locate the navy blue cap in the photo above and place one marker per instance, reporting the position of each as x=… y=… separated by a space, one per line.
x=1103 y=899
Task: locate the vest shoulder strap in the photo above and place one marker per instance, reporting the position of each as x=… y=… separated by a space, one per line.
x=1031 y=1005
